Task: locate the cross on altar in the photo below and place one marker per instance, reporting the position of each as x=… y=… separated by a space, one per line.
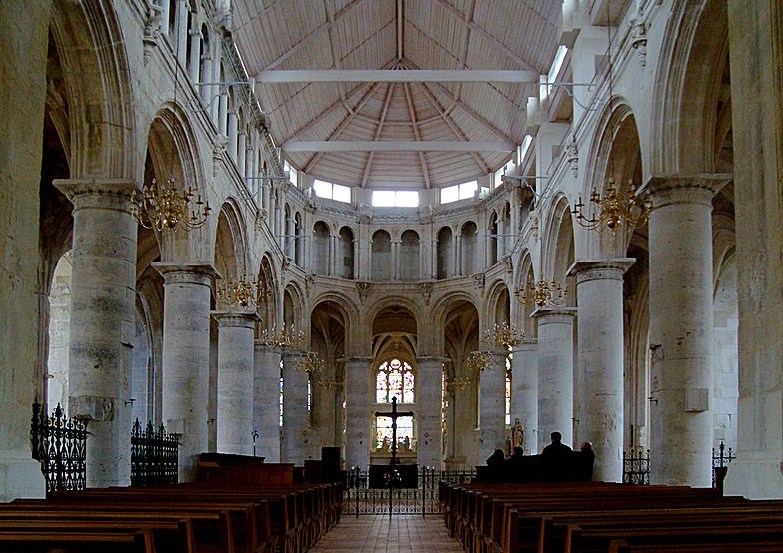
x=394 y=414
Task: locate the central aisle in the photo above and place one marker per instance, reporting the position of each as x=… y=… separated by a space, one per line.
x=377 y=534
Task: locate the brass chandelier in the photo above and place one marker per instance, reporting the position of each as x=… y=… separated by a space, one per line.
x=476 y=362
x=542 y=293
x=612 y=210
x=286 y=337
x=162 y=206
x=309 y=363
x=503 y=335
x=241 y=291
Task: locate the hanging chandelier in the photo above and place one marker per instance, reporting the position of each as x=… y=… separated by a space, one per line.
x=542 y=293
x=476 y=362
x=613 y=210
x=286 y=337
x=462 y=382
x=309 y=363
x=162 y=206
x=503 y=335
x=240 y=292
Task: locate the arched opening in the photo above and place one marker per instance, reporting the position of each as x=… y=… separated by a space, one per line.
x=381 y=256
x=409 y=256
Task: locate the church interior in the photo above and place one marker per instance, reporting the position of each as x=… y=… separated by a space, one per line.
x=394 y=231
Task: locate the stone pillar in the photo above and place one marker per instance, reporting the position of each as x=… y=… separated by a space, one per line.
x=164 y=18
x=756 y=55
x=24 y=28
x=358 y=423
x=356 y=256
x=599 y=293
x=214 y=95
x=205 y=91
x=456 y=260
x=681 y=291
x=187 y=289
x=395 y=259
x=194 y=65
x=103 y=315
x=290 y=232
x=241 y=152
x=429 y=400
x=555 y=373
x=501 y=241
x=223 y=114
x=235 y=381
x=524 y=393
x=232 y=132
x=266 y=402
x=492 y=405
x=181 y=39
x=296 y=423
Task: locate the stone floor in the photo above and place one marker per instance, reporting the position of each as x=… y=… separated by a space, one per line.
x=377 y=534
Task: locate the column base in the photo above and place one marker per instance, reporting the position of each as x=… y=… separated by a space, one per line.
x=755 y=478
x=20 y=477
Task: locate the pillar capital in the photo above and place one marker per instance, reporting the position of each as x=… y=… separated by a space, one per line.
x=598 y=269
x=187 y=273
x=683 y=189
x=554 y=314
x=528 y=344
x=237 y=319
x=103 y=193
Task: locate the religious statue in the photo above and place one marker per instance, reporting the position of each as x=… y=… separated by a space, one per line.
x=517 y=434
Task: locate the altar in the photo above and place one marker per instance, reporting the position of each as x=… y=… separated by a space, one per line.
x=407 y=476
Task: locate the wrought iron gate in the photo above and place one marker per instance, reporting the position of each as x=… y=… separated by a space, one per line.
x=360 y=499
x=60 y=445
x=154 y=455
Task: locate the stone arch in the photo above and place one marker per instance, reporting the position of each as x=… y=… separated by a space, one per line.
x=345 y=252
x=525 y=278
x=469 y=247
x=410 y=256
x=231 y=249
x=557 y=243
x=445 y=252
x=492 y=230
x=696 y=42
x=321 y=241
x=268 y=282
x=617 y=158
x=90 y=43
x=381 y=259
x=172 y=153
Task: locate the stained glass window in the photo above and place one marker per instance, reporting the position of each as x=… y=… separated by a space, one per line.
x=394 y=379
x=383 y=434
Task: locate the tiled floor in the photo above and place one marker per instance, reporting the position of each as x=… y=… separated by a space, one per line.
x=378 y=534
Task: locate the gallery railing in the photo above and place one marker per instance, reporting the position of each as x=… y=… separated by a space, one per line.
x=636 y=466
x=154 y=455
x=388 y=496
x=59 y=443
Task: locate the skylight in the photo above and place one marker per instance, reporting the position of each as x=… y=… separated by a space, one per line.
x=331 y=191
x=458 y=192
x=395 y=198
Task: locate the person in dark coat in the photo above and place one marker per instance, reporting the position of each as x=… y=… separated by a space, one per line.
x=556 y=459
x=584 y=459
x=496 y=466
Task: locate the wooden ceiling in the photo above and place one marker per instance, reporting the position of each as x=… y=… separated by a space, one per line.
x=396 y=94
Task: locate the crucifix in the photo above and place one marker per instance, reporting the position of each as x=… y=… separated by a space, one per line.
x=394 y=414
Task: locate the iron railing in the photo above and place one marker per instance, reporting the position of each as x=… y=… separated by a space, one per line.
x=59 y=443
x=720 y=464
x=636 y=466
x=154 y=455
x=360 y=499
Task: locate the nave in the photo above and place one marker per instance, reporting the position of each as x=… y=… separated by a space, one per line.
x=381 y=534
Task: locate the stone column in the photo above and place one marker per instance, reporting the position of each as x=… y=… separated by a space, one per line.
x=266 y=402
x=492 y=405
x=187 y=289
x=232 y=131
x=358 y=435
x=181 y=38
x=296 y=423
x=241 y=152
x=103 y=315
x=223 y=114
x=756 y=54
x=555 y=373
x=24 y=28
x=428 y=389
x=290 y=232
x=456 y=260
x=599 y=293
x=681 y=291
x=235 y=381
x=395 y=259
x=524 y=393
x=205 y=91
x=194 y=65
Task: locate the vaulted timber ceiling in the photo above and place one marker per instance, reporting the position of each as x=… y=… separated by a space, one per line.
x=396 y=94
